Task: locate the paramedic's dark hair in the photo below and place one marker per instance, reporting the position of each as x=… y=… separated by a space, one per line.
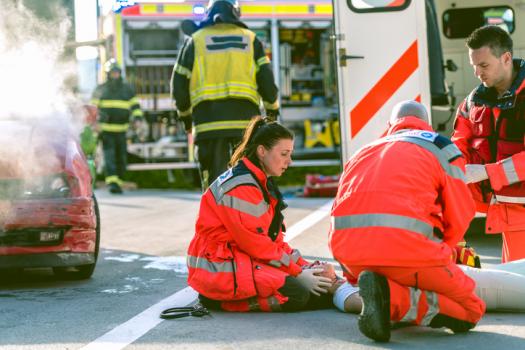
x=263 y=132
x=496 y=38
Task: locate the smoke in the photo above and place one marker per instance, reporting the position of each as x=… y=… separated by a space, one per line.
x=38 y=107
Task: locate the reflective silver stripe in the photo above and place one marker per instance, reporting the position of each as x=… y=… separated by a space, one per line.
x=285 y=259
x=244 y=206
x=510 y=171
x=198 y=262
x=451 y=151
x=273 y=303
x=411 y=314
x=275 y=263
x=450 y=169
x=433 y=308
x=221 y=186
x=508 y=199
x=296 y=254
x=383 y=220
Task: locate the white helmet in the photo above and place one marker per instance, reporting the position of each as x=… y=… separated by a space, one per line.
x=409 y=108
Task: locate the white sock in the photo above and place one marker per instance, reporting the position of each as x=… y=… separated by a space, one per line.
x=342 y=293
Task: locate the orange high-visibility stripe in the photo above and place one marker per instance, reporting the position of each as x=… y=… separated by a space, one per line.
x=384 y=89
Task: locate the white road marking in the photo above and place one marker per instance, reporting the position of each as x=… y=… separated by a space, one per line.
x=131 y=330
x=307 y=222
x=126 y=333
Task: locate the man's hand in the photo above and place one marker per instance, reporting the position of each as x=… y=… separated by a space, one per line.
x=476 y=173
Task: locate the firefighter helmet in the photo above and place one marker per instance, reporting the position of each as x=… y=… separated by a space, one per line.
x=220 y=5
x=409 y=109
x=112 y=65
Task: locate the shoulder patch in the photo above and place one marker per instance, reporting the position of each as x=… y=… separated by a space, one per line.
x=442 y=141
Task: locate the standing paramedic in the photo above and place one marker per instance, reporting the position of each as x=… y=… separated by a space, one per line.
x=238 y=260
x=116 y=103
x=218 y=82
x=490 y=132
x=401 y=208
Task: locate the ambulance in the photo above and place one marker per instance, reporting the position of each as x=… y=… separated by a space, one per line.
x=394 y=50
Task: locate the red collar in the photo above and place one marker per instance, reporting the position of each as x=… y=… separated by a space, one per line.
x=258 y=172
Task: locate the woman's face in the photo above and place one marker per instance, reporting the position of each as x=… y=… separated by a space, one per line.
x=277 y=159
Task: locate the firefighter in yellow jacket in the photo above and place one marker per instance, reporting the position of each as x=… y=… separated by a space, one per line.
x=218 y=81
x=116 y=103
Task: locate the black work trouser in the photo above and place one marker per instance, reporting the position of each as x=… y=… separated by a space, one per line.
x=213 y=156
x=115 y=153
x=299 y=298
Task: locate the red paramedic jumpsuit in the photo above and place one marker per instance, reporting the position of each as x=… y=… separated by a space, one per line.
x=402 y=206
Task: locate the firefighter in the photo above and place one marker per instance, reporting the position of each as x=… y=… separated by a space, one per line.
x=116 y=104
x=238 y=260
x=218 y=81
x=490 y=131
x=401 y=208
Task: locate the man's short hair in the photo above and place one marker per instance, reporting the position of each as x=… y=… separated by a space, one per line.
x=494 y=37
x=408 y=108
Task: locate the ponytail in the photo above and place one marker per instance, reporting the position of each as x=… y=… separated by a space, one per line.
x=260 y=131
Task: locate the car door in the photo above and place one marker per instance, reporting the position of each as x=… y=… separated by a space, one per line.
x=382 y=60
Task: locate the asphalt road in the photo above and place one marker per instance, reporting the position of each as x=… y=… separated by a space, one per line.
x=144 y=238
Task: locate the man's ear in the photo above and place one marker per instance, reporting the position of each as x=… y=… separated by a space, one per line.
x=507 y=57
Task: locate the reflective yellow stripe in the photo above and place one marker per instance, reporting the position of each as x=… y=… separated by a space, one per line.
x=113 y=179
x=262 y=60
x=136 y=113
x=185 y=113
x=231 y=89
x=234 y=124
x=272 y=106
x=95 y=101
x=134 y=101
x=182 y=71
x=114 y=127
x=114 y=104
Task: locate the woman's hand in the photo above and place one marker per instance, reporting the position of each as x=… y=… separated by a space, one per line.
x=311 y=280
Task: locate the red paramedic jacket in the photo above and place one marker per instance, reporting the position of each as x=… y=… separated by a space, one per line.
x=235 y=242
x=402 y=200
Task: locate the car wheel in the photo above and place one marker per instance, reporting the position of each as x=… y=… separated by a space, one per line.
x=83 y=271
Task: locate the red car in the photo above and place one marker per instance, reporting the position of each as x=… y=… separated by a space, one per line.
x=48 y=213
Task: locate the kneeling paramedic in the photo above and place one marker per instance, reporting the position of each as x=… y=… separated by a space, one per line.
x=401 y=208
x=238 y=260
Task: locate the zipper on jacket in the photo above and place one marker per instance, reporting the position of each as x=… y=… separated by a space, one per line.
x=233 y=269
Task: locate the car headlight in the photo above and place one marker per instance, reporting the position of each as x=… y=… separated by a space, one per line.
x=51 y=186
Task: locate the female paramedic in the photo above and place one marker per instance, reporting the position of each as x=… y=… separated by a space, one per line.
x=238 y=260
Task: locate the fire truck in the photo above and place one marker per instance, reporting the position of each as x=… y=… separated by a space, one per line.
x=145 y=38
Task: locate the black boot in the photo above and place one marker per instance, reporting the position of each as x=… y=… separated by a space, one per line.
x=374 y=321
x=455 y=325
x=115 y=188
